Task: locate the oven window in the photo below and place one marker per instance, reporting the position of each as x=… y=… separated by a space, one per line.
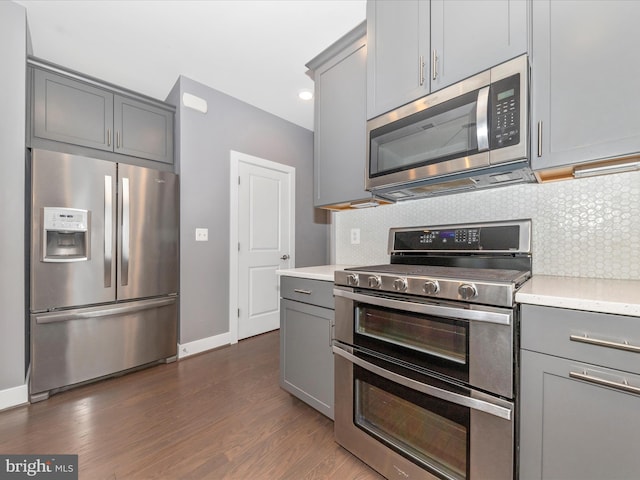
x=430 y=432
x=446 y=339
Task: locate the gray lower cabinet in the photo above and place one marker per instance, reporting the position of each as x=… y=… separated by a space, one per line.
x=306 y=358
x=68 y=110
x=580 y=395
x=585 y=74
x=339 y=156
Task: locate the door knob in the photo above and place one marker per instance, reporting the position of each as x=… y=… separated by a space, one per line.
x=285 y=257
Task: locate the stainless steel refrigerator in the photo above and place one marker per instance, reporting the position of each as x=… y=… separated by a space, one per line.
x=103 y=269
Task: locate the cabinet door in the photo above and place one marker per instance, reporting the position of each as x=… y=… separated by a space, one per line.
x=469 y=36
x=398 y=59
x=340 y=137
x=69 y=111
x=573 y=429
x=143 y=130
x=585 y=72
x=306 y=359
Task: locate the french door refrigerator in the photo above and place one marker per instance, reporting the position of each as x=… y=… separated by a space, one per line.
x=103 y=269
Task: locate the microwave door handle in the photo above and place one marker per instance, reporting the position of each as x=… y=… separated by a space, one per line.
x=462 y=400
x=482 y=119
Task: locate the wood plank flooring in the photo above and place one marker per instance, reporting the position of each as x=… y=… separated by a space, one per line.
x=219 y=415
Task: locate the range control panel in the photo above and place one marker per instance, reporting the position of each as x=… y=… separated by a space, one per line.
x=498 y=237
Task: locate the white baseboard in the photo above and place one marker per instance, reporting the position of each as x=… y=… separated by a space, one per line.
x=12 y=397
x=204 y=344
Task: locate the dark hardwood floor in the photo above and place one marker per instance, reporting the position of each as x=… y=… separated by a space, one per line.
x=219 y=415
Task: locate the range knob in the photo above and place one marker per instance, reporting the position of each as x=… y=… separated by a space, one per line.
x=375 y=281
x=431 y=287
x=352 y=279
x=400 y=284
x=467 y=291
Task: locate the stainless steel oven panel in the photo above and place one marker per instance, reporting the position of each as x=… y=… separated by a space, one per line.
x=375 y=454
x=492 y=432
x=491 y=347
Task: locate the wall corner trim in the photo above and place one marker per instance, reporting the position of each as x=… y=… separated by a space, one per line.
x=204 y=344
x=13 y=397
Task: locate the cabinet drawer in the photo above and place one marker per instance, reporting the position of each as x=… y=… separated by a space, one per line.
x=315 y=292
x=596 y=338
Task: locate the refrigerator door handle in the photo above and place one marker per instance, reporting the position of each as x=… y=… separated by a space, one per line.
x=125 y=232
x=108 y=229
x=97 y=312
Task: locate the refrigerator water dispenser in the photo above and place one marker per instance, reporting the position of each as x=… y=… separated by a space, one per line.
x=66 y=234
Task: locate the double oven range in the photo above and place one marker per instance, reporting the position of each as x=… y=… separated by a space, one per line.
x=426 y=352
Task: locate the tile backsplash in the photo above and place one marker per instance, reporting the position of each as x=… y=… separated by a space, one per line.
x=581 y=228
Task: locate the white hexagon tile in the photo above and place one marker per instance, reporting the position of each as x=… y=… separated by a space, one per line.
x=581 y=228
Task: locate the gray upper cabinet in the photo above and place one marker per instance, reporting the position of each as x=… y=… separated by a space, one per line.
x=339 y=74
x=69 y=110
x=470 y=36
x=143 y=130
x=398 y=59
x=585 y=72
x=420 y=46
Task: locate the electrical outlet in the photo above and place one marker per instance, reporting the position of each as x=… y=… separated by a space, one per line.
x=202 y=234
x=355 y=236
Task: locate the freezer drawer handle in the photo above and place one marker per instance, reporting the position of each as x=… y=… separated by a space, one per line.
x=108 y=232
x=103 y=312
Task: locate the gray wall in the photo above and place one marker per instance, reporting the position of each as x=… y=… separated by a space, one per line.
x=204 y=146
x=13 y=48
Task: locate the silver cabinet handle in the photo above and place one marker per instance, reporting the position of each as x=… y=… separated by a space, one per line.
x=446 y=395
x=604 y=343
x=482 y=119
x=539 y=139
x=427 y=309
x=118 y=139
x=108 y=137
x=108 y=229
x=125 y=232
x=421 y=69
x=434 y=64
x=605 y=383
x=299 y=290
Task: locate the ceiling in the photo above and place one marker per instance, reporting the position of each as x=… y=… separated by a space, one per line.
x=254 y=50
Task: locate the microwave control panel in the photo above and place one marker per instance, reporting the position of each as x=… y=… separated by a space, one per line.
x=505 y=112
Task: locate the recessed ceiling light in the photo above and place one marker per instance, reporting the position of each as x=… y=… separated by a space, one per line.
x=305 y=95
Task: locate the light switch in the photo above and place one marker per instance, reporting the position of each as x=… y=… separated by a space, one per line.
x=202 y=234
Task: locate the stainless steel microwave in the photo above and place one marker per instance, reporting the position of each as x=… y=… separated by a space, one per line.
x=473 y=134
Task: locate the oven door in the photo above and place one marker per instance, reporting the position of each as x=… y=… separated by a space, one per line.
x=472 y=344
x=409 y=425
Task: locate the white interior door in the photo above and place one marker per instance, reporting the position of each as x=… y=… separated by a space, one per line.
x=265 y=241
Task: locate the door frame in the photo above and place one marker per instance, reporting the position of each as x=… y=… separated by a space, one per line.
x=234 y=190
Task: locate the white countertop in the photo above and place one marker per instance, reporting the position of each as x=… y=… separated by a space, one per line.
x=620 y=297
x=321 y=272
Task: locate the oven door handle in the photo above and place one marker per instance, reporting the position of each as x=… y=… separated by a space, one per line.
x=437 y=310
x=473 y=403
